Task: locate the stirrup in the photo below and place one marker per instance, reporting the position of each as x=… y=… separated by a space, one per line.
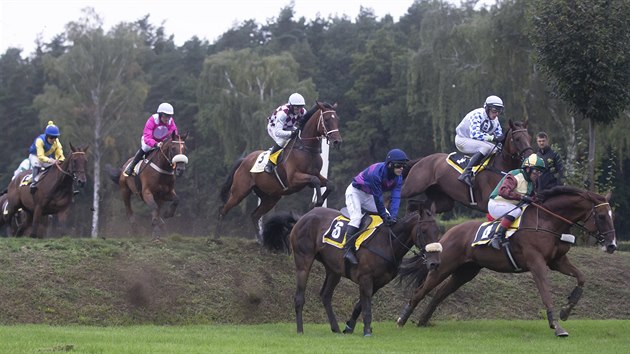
x=465 y=178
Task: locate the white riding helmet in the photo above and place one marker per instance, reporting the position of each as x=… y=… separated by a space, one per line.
x=493 y=101
x=296 y=99
x=165 y=108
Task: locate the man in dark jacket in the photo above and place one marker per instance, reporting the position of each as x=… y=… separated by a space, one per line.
x=553 y=174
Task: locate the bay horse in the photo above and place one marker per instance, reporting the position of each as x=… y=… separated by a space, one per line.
x=155 y=182
x=54 y=193
x=538 y=245
x=298 y=166
x=379 y=256
x=434 y=177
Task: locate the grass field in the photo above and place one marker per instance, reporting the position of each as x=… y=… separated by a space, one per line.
x=482 y=336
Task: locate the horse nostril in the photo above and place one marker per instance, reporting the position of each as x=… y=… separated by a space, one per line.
x=611 y=248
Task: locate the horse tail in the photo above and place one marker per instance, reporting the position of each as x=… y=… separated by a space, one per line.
x=225 y=190
x=276 y=230
x=409 y=165
x=412 y=272
x=113 y=173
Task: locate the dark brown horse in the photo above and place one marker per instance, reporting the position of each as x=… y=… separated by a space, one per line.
x=155 y=182
x=379 y=257
x=54 y=192
x=298 y=166
x=538 y=245
x=434 y=177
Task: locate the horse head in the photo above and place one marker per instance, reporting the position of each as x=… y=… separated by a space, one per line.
x=174 y=150
x=76 y=165
x=427 y=234
x=517 y=142
x=325 y=123
x=600 y=222
x=586 y=209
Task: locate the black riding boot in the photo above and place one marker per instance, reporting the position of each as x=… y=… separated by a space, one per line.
x=349 y=252
x=270 y=165
x=466 y=176
x=499 y=235
x=34 y=179
x=129 y=170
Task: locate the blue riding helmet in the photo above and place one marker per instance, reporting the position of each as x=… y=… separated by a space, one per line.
x=396 y=155
x=52 y=130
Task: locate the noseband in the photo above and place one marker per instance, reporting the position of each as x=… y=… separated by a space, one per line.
x=179 y=157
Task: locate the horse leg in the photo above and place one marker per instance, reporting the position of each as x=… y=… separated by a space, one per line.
x=37 y=215
x=538 y=268
x=433 y=279
x=174 y=199
x=156 y=221
x=321 y=182
x=460 y=277
x=366 y=287
x=126 y=197
x=326 y=295
x=266 y=203
x=564 y=266
x=238 y=192
x=356 y=311
x=303 y=264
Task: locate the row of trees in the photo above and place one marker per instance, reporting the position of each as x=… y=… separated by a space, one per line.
x=562 y=65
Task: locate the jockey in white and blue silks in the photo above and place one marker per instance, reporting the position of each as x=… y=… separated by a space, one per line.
x=366 y=193
x=478 y=132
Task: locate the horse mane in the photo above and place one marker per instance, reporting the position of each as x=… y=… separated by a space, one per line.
x=310 y=113
x=563 y=190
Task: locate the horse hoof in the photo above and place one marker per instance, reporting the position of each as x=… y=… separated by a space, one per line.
x=400 y=323
x=348 y=330
x=564 y=315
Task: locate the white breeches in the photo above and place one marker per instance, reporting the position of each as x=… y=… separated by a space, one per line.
x=470 y=146
x=356 y=200
x=501 y=208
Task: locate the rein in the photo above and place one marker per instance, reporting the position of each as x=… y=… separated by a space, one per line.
x=393 y=237
x=326 y=133
x=599 y=236
x=171 y=161
x=70 y=173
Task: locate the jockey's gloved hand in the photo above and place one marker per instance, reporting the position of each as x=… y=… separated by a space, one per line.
x=389 y=220
x=159 y=145
x=527 y=199
x=294 y=133
x=490 y=138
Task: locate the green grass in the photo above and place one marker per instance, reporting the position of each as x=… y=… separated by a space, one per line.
x=484 y=336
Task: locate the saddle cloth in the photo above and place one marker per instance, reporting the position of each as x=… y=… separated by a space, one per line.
x=459 y=161
x=27 y=179
x=336 y=233
x=487 y=230
x=261 y=162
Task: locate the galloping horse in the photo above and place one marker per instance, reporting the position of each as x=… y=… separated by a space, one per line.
x=379 y=256
x=155 y=182
x=433 y=176
x=298 y=167
x=541 y=242
x=53 y=195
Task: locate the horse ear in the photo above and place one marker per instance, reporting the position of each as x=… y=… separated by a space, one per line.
x=608 y=196
x=334 y=106
x=511 y=123
x=72 y=147
x=525 y=124
x=85 y=149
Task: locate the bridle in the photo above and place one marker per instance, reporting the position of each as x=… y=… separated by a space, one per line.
x=321 y=122
x=173 y=160
x=71 y=171
x=518 y=155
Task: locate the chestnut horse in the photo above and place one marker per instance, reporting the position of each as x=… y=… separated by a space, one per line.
x=155 y=182
x=53 y=195
x=434 y=177
x=379 y=256
x=298 y=166
x=538 y=245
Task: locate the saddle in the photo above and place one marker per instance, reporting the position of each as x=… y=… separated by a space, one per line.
x=336 y=233
x=459 y=161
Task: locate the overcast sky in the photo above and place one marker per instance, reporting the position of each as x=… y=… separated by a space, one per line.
x=22 y=21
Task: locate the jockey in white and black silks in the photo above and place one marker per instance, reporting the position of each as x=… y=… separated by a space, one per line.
x=282 y=126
